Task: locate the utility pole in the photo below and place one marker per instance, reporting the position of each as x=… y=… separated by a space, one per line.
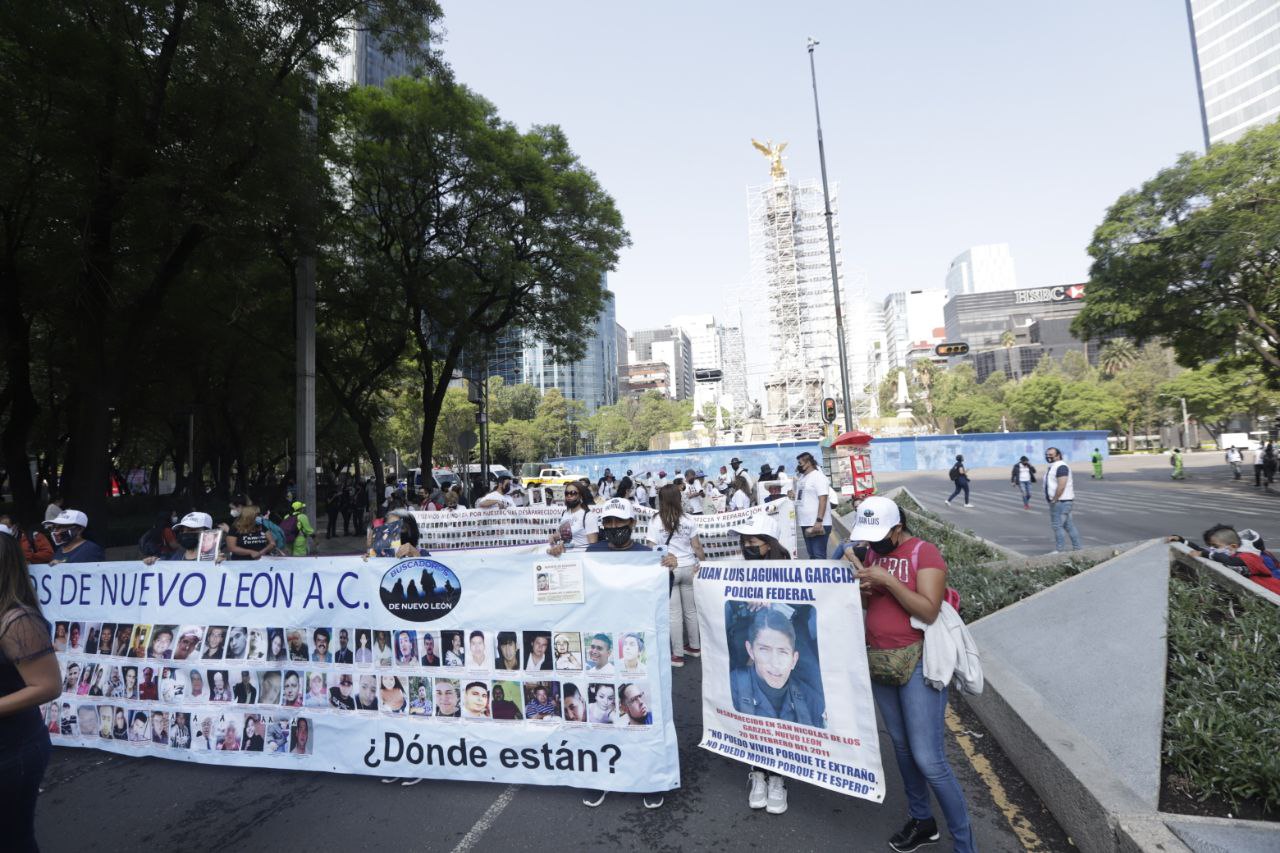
x=1186 y=428
x=831 y=248
x=304 y=305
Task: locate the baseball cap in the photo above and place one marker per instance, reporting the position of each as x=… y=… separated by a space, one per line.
x=196 y=521
x=617 y=508
x=69 y=516
x=773 y=484
x=876 y=517
x=758 y=524
x=735 y=461
x=297 y=505
x=662 y=473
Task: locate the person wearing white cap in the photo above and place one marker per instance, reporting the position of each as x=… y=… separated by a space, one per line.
x=906 y=577
x=188 y=532
x=616 y=523
x=69 y=545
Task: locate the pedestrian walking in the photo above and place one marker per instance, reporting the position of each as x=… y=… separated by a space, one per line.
x=298 y=530
x=960 y=476
x=1096 y=459
x=333 y=508
x=1234 y=458
x=29 y=677
x=1059 y=490
x=906 y=577
x=1176 y=461
x=1022 y=476
x=1255 y=459
x=1268 y=466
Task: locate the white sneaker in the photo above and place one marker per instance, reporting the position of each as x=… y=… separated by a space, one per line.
x=594 y=798
x=777 y=795
x=968 y=506
x=759 y=796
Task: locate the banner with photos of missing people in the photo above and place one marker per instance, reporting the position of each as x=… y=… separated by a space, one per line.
x=486 y=666
x=534 y=525
x=785 y=683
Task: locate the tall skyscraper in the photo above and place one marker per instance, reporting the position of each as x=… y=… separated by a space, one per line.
x=914 y=324
x=706 y=347
x=367 y=62
x=1236 y=47
x=982 y=269
x=520 y=358
x=793 y=328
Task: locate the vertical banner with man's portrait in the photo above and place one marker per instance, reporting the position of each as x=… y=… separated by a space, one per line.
x=459 y=666
x=785 y=684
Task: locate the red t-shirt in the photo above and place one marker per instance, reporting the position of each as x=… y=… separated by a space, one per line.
x=888 y=625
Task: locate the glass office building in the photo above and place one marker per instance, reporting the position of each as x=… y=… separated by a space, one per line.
x=1236 y=47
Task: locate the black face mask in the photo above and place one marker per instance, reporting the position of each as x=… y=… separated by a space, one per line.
x=189 y=541
x=570 y=502
x=760 y=552
x=618 y=537
x=884 y=547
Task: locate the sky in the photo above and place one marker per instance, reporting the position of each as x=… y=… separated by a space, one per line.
x=946 y=124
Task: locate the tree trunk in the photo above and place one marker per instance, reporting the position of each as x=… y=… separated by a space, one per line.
x=22 y=412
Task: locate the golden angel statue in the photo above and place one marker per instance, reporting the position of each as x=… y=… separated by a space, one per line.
x=774 y=153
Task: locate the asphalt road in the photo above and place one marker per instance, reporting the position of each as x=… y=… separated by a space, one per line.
x=98 y=801
x=1136 y=499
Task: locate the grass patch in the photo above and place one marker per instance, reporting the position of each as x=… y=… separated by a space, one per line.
x=1222 y=696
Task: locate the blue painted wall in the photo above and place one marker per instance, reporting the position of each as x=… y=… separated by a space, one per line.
x=912 y=453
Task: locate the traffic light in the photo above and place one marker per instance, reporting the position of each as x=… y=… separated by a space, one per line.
x=829 y=410
x=951 y=349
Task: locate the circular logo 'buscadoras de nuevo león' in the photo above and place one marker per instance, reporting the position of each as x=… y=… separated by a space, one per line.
x=420 y=590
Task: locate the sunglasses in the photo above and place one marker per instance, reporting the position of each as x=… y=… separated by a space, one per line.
x=570 y=494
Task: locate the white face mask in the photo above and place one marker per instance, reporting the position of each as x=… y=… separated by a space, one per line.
x=235 y=513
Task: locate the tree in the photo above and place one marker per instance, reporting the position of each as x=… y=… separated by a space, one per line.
x=481 y=229
x=138 y=142
x=1193 y=257
x=1216 y=393
x=1117 y=355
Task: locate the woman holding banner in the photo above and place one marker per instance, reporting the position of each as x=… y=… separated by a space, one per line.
x=29 y=677
x=906 y=577
x=678 y=533
x=578 y=527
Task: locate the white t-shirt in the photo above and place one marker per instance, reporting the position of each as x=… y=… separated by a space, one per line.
x=740 y=500
x=607 y=489
x=810 y=488
x=1255 y=457
x=1024 y=472
x=581 y=524
x=681 y=544
x=692 y=497
x=503 y=501
x=641 y=494
x=1051 y=475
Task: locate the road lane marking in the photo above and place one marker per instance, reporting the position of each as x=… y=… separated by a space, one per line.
x=1012 y=814
x=487 y=819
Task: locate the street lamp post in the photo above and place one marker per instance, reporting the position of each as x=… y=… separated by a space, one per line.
x=831 y=248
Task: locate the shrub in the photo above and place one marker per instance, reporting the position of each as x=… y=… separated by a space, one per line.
x=1222 y=697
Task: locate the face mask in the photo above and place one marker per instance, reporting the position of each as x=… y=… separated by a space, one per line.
x=618 y=537
x=570 y=502
x=62 y=537
x=760 y=552
x=173 y=519
x=235 y=513
x=884 y=547
x=189 y=541
x=258 y=519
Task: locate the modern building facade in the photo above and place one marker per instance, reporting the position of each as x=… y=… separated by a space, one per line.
x=914 y=323
x=1013 y=330
x=982 y=269
x=367 y=62
x=1236 y=48
x=520 y=358
x=672 y=347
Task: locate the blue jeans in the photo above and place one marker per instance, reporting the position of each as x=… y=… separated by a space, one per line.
x=1026 y=492
x=817 y=545
x=913 y=714
x=21 y=771
x=962 y=485
x=1060 y=518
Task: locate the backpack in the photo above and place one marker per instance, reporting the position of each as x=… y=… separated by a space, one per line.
x=289 y=527
x=276 y=531
x=1173 y=460
x=955 y=472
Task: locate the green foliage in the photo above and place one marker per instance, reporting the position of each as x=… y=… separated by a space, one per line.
x=1217 y=392
x=1222 y=697
x=1190 y=257
x=630 y=423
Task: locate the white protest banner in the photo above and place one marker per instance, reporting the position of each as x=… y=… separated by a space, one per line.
x=785 y=684
x=492 y=528
x=465 y=666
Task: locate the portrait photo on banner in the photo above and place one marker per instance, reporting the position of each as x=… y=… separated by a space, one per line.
x=774 y=669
